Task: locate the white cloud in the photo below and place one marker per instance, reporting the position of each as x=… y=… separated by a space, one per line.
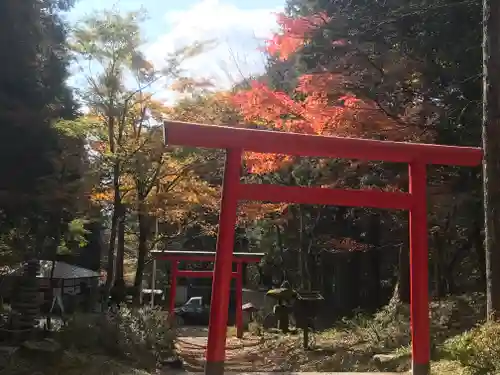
x=239 y=34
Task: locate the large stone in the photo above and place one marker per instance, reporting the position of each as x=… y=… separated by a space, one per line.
x=391 y=362
x=47 y=350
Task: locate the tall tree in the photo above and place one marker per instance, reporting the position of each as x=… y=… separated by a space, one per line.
x=111 y=41
x=491 y=147
x=33 y=96
x=118 y=94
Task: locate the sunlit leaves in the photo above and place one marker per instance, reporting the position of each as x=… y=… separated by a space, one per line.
x=321 y=108
x=108 y=35
x=294 y=33
x=210 y=108
x=254 y=211
x=322 y=102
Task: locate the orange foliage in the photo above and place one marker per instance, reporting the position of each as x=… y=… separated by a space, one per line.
x=320 y=104
x=317 y=114
x=251 y=211
x=101 y=196
x=295 y=32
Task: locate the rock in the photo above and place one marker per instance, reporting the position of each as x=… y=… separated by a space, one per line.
x=383 y=358
x=46 y=349
x=391 y=362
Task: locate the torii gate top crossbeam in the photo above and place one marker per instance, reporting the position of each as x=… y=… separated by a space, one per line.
x=224 y=137
x=204 y=256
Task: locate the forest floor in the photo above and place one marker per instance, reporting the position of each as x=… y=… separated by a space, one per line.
x=362 y=344
x=272 y=352
x=242 y=355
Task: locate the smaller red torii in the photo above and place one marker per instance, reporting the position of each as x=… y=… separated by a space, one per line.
x=174 y=256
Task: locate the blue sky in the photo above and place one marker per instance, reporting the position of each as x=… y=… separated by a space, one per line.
x=239 y=26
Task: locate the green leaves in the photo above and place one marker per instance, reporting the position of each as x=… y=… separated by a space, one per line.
x=75 y=236
x=108 y=35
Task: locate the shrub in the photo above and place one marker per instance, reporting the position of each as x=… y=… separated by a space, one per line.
x=142 y=336
x=255 y=328
x=477 y=349
x=389 y=328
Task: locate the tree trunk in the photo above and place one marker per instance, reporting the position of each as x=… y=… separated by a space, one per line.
x=478 y=244
x=343 y=303
x=439 y=265
x=142 y=250
x=313 y=271
x=120 y=250
x=297 y=220
x=403 y=289
x=491 y=148
x=57 y=235
x=114 y=225
x=302 y=253
x=374 y=259
x=327 y=273
x=353 y=279
x=279 y=241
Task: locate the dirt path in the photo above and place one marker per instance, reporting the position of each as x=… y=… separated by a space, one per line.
x=255 y=354
x=241 y=354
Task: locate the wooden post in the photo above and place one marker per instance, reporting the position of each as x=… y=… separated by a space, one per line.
x=419 y=273
x=221 y=283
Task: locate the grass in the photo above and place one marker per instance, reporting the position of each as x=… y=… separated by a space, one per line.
x=352 y=344
x=448 y=367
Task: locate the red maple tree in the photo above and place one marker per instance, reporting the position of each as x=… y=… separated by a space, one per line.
x=294 y=33
x=320 y=104
x=314 y=113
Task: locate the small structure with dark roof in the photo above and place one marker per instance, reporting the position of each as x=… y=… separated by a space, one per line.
x=66 y=277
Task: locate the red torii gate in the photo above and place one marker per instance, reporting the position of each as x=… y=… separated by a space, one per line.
x=206 y=256
x=235 y=140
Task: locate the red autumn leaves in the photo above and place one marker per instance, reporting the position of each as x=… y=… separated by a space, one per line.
x=320 y=103
x=294 y=33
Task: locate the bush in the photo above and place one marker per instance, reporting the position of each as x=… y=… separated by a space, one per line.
x=447 y=367
x=142 y=336
x=389 y=328
x=255 y=328
x=477 y=349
